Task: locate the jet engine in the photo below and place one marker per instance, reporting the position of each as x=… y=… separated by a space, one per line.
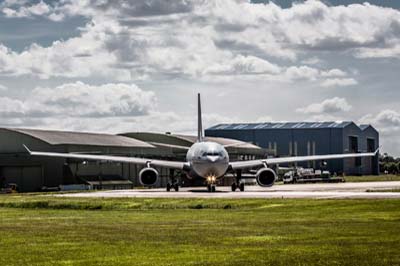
x=148 y=176
x=265 y=177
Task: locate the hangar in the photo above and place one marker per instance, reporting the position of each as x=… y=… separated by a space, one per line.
x=310 y=138
x=44 y=173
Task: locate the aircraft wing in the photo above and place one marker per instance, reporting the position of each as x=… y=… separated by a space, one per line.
x=294 y=159
x=121 y=159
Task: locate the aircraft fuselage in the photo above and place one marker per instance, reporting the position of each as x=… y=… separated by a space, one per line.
x=208 y=160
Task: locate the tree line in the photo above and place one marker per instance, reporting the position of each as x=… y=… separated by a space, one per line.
x=389 y=164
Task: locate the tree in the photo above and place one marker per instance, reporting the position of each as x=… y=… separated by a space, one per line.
x=392 y=168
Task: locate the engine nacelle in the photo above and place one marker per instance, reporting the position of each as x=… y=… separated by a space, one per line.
x=148 y=176
x=266 y=177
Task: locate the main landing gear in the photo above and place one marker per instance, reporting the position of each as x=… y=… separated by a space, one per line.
x=173 y=181
x=239 y=184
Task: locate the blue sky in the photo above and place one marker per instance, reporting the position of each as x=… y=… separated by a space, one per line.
x=118 y=66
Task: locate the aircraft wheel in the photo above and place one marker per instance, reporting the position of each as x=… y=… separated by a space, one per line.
x=233 y=187
x=176 y=187
x=168 y=187
x=212 y=188
x=241 y=186
x=209 y=188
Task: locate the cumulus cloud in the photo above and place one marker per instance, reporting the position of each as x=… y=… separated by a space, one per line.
x=246 y=65
x=113 y=108
x=328 y=106
x=388 y=121
x=27 y=9
x=330 y=77
x=81 y=100
x=77 y=57
x=386 y=52
x=339 y=82
x=141 y=39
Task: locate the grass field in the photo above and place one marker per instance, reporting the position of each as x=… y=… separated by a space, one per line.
x=38 y=230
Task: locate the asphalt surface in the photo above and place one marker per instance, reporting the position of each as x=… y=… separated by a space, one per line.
x=316 y=191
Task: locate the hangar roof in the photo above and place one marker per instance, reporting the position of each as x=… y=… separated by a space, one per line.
x=77 y=138
x=222 y=141
x=185 y=141
x=364 y=127
x=281 y=125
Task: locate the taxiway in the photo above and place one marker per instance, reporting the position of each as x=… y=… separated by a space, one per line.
x=316 y=191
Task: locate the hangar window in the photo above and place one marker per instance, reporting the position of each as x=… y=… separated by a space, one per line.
x=278 y=125
x=222 y=126
x=333 y=124
x=315 y=125
x=240 y=126
x=260 y=126
x=298 y=125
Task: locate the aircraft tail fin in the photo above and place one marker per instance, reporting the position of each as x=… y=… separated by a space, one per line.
x=199 y=120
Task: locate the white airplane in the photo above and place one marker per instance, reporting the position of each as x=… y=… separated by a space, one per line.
x=206 y=160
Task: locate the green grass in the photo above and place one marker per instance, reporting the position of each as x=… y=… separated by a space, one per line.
x=40 y=230
x=372 y=178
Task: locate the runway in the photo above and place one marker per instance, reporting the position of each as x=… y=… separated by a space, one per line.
x=315 y=191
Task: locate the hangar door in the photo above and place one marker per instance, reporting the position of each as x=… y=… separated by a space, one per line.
x=28 y=178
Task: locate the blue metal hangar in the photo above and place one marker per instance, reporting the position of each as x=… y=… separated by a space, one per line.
x=309 y=138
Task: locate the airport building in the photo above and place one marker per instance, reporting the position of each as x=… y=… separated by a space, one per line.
x=307 y=138
x=32 y=173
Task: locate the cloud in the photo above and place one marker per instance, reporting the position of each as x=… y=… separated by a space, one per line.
x=112 y=107
x=334 y=73
x=328 y=106
x=243 y=65
x=388 y=121
x=312 y=61
x=80 y=100
x=11 y=107
x=3 y=88
x=64 y=58
x=387 y=52
x=134 y=40
x=339 y=82
x=302 y=72
x=329 y=76
x=38 y=9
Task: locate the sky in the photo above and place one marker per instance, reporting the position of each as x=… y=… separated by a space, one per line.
x=119 y=66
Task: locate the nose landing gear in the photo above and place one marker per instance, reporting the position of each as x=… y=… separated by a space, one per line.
x=211 y=183
x=211 y=187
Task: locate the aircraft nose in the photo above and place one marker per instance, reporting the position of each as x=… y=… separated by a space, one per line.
x=213 y=158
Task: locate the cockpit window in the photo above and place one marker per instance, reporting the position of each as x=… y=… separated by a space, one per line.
x=212 y=153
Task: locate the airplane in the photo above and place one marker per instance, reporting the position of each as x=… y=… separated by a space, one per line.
x=205 y=160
